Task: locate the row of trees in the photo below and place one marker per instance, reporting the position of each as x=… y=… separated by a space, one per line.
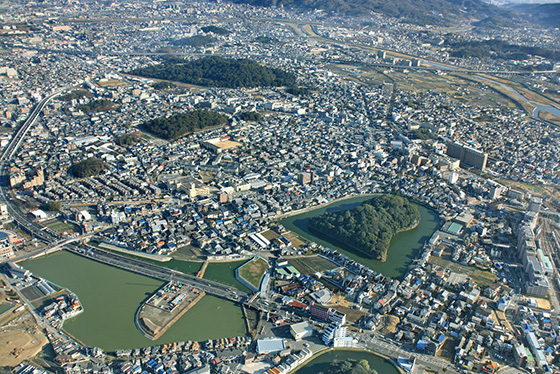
x=175 y=126
x=370 y=227
x=218 y=72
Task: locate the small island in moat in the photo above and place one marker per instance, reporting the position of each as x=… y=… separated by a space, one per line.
x=349 y=367
x=370 y=227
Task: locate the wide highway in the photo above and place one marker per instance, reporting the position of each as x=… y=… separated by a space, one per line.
x=158 y=272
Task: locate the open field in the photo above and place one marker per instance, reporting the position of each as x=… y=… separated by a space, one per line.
x=111 y=83
x=481 y=277
x=294 y=239
x=4 y=307
x=308 y=30
x=388 y=324
x=21 y=340
x=60 y=226
x=270 y=234
x=447 y=351
x=311 y=264
x=253 y=271
x=352 y=315
x=549 y=117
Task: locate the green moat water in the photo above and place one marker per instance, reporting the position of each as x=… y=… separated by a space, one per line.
x=320 y=363
x=404 y=248
x=111 y=296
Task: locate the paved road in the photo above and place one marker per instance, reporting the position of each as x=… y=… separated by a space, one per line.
x=159 y=272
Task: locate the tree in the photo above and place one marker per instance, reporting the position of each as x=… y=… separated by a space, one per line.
x=53 y=206
x=370 y=227
x=88 y=168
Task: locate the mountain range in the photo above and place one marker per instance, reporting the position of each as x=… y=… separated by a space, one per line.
x=434 y=12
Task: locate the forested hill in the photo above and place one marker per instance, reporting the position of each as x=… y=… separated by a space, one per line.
x=218 y=72
x=370 y=227
x=437 y=12
x=543 y=14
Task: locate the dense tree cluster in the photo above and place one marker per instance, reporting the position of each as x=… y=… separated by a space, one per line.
x=52 y=206
x=196 y=41
x=75 y=95
x=267 y=40
x=127 y=139
x=88 y=168
x=422 y=134
x=163 y=85
x=370 y=227
x=250 y=116
x=173 y=127
x=216 y=30
x=218 y=72
x=350 y=367
x=101 y=105
x=500 y=49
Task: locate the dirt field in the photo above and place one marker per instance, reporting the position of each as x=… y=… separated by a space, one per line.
x=447 y=351
x=549 y=117
x=388 y=325
x=294 y=239
x=352 y=315
x=20 y=340
x=543 y=303
x=270 y=234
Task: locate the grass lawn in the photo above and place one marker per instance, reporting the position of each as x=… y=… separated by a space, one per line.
x=253 y=271
x=311 y=264
x=5 y=307
x=59 y=226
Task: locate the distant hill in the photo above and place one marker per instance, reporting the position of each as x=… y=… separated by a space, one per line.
x=543 y=14
x=440 y=12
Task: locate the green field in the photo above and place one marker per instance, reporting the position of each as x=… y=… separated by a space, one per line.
x=253 y=271
x=224 y=272
x=311 y=264
x=59 y=226
x=4 y=307
x=481 y=277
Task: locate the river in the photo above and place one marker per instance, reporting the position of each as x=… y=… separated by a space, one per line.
x=111 y=296
x=404 y=248
x=320 y=363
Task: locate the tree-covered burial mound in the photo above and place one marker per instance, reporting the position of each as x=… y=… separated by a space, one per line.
x=370 y=227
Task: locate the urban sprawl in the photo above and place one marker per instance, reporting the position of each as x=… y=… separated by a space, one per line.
x=481 y=296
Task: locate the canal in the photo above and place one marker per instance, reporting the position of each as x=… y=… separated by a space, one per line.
x=111 y=296
x=320 y=363
x=404 y=248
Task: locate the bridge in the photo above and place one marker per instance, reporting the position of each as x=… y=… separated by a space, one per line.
x=159 y=272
